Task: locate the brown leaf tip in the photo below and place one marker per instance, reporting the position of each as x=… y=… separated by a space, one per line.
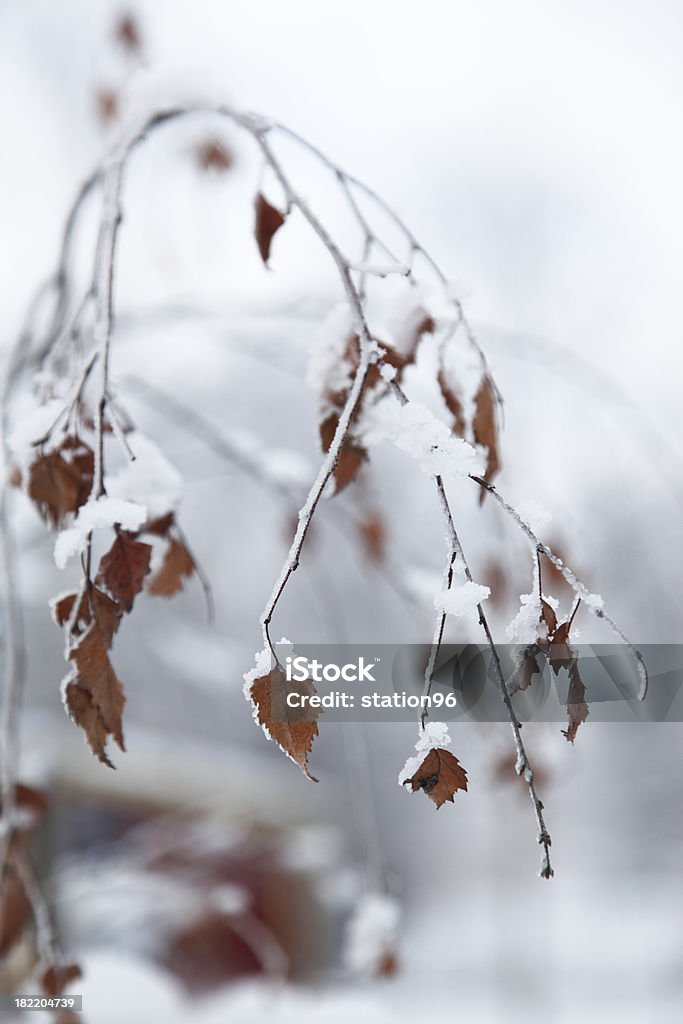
x=269 y=220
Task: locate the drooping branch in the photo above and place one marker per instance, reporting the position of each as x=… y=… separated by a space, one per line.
x=372 y=355
x=523 y=765
x=579 y=588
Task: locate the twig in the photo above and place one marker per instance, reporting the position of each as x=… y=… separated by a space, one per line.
x=46 y=937
x=523 y=765
x=579 y=588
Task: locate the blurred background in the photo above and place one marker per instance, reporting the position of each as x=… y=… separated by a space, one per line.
x=535 y=150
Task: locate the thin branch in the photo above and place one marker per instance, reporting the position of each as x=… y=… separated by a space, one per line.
x=523 y=765
x=46 y=937
x=579 y=588
x=350 y=182
x=188 y=419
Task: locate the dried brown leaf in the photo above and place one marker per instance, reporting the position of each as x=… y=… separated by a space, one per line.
x=485 y=429
x=530 y=666
x=505 y=770
x=176 y=567
x=549 y=617
x=560 y=653
x=351 y=455
x=440 y=776
x=389 y=964
x=373 y=535
x=94 y=696
x=269 y=220
x=417 y=323
x=494 y=577
x=127 y=34
x=293 y=729
x=60 y=481
x=161 y=526
x=94 y=606
x=577 y=709
x=453 y=403
x=15 y=910
x=213 y=156
x=108 y=106
x=58 y=977
x=123 y=568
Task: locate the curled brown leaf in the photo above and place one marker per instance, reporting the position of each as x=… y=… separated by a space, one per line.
x=440 y=776
x=293 y=729
x=123 y=568
x=177 y=566
x=94 y=696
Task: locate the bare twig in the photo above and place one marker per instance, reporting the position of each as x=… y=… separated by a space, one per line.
x=579 y=588
x=523 y=765
x=46 y=937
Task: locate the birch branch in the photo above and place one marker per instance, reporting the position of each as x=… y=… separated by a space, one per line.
x=579 y=588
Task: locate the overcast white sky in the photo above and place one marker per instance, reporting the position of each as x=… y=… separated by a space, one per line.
x=536 y=146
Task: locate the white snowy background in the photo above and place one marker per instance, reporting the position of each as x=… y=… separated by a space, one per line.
x=535 y=149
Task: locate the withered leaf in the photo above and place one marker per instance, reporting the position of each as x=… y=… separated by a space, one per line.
x=268 y=221
x=485 y=429
x=373 y=536
x=351 y=455
x=549 y=617
x=560 y=653
x=159 y=527
x=440 y=776
x=94 y=696
x=293 y=729
x=494 y=577
x=505 y=770
x=123 y=568
x=214 y=156
x=577 y=709
x=107 y=106
x=453 y=403
x=60 y=481
x=417 y=323
x=94 y=606
x=531 y=665
x=57 y=977
x=176 y=567
x=388 y=965
x=32 y=805
x=68 y=1017
x=128 y=34
x=15 y=910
